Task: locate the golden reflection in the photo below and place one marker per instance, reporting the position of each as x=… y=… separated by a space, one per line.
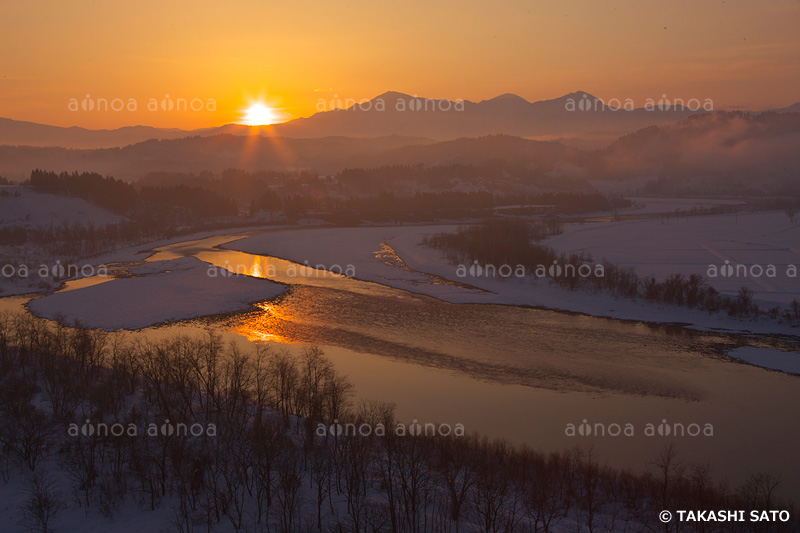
x=267 y=325
x=261 y=268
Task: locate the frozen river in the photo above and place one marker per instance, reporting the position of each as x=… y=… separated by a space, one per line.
x=527 y=375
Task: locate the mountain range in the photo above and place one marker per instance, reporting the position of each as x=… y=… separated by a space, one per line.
x=578 y=117
x=572 y=115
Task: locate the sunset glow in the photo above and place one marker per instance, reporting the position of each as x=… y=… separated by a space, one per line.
x=620 y=49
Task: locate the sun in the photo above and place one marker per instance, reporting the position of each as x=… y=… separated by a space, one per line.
x=260 y=114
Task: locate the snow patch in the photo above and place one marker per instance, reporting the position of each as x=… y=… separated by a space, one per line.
x=171 y=291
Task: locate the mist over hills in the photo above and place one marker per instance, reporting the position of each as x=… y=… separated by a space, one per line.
x=195 y=154
x=740 y=149
x=737 y=152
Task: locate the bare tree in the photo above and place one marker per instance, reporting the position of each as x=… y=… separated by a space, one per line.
x=290 y=475
x=43 y=504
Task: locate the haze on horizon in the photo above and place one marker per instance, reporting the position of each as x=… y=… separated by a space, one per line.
x=294 y=55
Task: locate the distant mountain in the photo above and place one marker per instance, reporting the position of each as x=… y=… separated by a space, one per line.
x=21 y=133
x=574 y=114
x=392 y=113
x=17 y=132
x=577 y=118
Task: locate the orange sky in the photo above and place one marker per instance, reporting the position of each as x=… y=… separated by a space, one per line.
x=736 y=52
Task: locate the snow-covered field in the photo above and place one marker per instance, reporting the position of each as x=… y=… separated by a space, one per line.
x=22 y=206
x=750 y=243
x=25 y=208
x=162 y=291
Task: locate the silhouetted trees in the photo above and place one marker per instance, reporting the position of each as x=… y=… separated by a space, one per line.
x=123 y=198
x=260 y=469
x=109 y=193
x=199 y=202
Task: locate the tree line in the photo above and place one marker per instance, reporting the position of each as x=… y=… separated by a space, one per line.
x=384 y=194
x=411 y=206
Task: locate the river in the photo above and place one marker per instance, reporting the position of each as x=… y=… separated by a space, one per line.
x=528 y=375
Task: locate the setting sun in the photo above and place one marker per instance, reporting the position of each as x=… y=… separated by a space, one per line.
x=260 y=114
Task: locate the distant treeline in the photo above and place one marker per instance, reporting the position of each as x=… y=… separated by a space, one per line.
x=393 y=193
x=495 y=174
x=236 y=184
x=383 y=207
x=398 y=179
x=394 y=207
x=510 y=242
x=125 y=199
x=239 y=441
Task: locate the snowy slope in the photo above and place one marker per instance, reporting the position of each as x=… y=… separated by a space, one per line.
x=22 y=206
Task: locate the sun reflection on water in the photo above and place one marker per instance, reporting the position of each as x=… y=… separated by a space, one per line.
x=255 y=271
x=266 y=325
